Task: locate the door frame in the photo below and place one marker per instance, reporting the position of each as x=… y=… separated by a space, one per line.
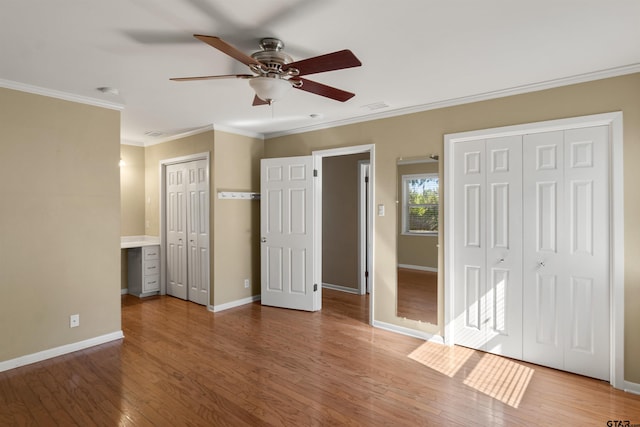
x=616 y=221
x=317 y=157
x=163 y=215
x=364 y=226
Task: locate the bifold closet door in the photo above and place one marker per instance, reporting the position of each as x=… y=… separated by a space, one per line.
x=488 y=241
x=176 y=223
x=187 y=202
x=566 y=250
x=197 y=232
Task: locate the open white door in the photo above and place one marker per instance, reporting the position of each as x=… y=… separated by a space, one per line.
x=287 y=242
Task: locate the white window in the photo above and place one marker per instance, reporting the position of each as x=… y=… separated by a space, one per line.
x=420 y=200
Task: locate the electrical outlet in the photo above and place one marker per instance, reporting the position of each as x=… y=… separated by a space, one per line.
x=74 y=320
x=246 y=283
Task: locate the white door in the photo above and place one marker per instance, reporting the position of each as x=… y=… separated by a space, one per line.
x=488 y=239
x=566 y=250
x=176 y=209
x=287 y=233
x=503 y=295
x=198 y=232
x=187 y=222
x=470 y=260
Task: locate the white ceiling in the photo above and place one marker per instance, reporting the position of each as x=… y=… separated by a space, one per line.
x=415 y=53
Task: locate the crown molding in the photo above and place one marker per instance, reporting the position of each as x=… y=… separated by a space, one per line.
x=516 y=90
x=228 y=129
x=52 y=93
x=180 y=135
x=132 y=143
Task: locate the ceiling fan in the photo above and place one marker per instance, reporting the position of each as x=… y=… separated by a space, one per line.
x=275 y=72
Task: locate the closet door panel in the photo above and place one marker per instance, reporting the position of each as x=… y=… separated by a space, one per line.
x=176 y=231
x=587 y=326
x=503 y=294
x=544 y=276
x=198 y=232
x=469 y=266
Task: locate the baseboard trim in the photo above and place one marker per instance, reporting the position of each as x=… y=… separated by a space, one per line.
x=630 y=387
x=341 y=288
x=408 y=331
x=233 y=304
x=124 y=291
x=418 y=267
x=58 y=351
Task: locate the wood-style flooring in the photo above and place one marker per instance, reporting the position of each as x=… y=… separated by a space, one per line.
x=418 y=295
x=180 y=365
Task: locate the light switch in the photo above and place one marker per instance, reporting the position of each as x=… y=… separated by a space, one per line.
x=380 y=210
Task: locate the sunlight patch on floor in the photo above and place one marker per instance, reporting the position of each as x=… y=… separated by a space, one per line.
x=444 y=359
x=498 y=377
x=501 y=378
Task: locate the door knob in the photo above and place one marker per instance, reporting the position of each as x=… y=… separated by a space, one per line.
x=263 y=240
x=501 y=260
x=541 y=264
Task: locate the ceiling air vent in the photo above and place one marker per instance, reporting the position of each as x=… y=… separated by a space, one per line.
x=154 y=133
x=375 y=106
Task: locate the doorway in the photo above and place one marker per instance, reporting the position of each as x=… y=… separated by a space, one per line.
x=185 y=228
x=292 y=228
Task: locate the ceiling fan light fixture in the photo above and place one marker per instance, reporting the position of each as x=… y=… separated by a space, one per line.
x=270 y=89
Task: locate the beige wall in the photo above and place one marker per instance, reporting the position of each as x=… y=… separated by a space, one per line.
x=132 y=191
x=340 y=220
x=153 y=155
x=422 y=133
x=131 y=200
x=237 y=228
x=234 y=224
x=59 y=222
x=420 y=251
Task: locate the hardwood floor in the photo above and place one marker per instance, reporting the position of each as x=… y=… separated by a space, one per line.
x=181 y=365
x=418 y=295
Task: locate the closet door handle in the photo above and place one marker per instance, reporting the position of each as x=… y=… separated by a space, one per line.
x=541 y=264
x=263 y=240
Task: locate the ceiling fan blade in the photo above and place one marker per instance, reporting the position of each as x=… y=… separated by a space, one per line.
x=324 y=90
x=329 y=62
x=259 y=101
x=224 y=76
x=225 y=47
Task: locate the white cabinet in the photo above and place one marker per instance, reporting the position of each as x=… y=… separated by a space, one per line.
x=144 y=270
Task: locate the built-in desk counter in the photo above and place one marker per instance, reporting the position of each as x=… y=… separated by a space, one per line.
x=143 y=260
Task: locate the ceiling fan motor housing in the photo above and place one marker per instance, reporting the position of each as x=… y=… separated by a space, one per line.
x=273 y=59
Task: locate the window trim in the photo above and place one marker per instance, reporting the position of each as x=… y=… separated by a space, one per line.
x=405 y=210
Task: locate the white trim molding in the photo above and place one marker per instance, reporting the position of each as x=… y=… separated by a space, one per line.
x=318 y=157
x=52 y=93
x=341 y=288
x=233 y=304
x=614 y=121
x=630 y=387
x=418 y=267
x=408 y=332
x=501 y=93
x=59 y=351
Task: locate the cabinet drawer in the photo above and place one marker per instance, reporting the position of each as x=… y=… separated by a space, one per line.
x=151 y=283
x=151 y=252
x=151 y=267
